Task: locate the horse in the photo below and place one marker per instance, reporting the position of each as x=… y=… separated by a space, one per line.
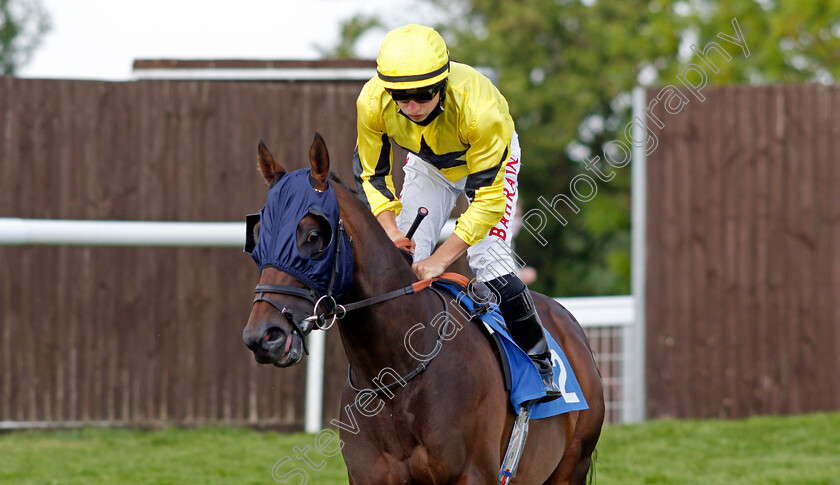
x=446 y=420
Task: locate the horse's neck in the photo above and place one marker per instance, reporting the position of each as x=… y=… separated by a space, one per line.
x=374 y=337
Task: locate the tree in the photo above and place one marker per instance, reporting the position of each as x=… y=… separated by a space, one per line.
x=22 y=26
x=351 y=30
x=567 y=67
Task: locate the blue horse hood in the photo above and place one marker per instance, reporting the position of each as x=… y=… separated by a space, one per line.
x=288 y=201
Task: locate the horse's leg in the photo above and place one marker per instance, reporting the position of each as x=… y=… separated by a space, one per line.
x=583 y=467
x=575 y=464
x=576 y=475
x=586 y=428
x=577 y=460
x=586 y=436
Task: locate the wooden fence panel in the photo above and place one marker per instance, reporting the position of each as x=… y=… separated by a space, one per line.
x=743 y=230
x=149 y=335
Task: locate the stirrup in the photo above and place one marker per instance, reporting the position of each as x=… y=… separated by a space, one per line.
x=516 y=445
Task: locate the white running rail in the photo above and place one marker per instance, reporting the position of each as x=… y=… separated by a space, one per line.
x=607 y=312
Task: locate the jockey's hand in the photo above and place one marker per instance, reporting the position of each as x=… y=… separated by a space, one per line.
x=388 y=221
x=429 y=267
x=404 y=244
x=446 y=254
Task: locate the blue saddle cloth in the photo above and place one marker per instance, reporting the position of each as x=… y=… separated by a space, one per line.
x=526 y=383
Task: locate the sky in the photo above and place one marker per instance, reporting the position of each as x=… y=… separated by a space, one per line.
x=99 y=39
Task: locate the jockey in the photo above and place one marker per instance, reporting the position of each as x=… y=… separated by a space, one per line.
x=460 y=137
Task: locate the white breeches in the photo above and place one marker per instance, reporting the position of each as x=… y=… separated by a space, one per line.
x=425 y=186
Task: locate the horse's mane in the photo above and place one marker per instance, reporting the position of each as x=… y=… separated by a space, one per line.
x=335 y=178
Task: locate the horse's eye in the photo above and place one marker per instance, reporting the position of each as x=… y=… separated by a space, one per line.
x=313 y=237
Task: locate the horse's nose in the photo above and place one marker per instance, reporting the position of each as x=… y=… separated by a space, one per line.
x=265 y=337
x=250 y=338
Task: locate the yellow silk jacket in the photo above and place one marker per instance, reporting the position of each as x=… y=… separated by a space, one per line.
x=470 y=138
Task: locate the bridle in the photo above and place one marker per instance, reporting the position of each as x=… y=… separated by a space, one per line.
x=316 y=320
x=332 y=310
x=336 y=311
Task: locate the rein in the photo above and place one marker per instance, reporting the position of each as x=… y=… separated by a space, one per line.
x=319 y=319
x=312 y=321
x=316 y=319
x=408 y=290
x=311 y=296
x=334 y=309
x=417 y=370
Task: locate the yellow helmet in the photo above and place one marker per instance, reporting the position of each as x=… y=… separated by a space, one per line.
x=412 y=57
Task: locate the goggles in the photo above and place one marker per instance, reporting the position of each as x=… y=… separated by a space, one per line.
x=419 y=95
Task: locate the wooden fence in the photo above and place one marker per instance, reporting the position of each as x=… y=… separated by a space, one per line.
x=743 y=253
x=152 y=336
x=140 y=335
x=744 y=226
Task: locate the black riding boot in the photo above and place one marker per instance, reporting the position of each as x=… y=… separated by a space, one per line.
x=527 y=331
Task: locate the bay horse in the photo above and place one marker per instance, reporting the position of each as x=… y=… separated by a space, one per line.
x=444 y=421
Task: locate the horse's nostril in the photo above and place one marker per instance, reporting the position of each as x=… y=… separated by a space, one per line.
x=273 y=334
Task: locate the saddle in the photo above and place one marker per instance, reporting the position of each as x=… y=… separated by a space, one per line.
x=522 y=379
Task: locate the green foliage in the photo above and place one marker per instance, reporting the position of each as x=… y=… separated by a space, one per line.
x=22 y=25
x=567 y=67
x=758 y=451
x=562 y=65
x=351 y=30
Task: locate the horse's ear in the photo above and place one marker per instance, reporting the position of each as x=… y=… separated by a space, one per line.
x=269 y=167
x=319 y=158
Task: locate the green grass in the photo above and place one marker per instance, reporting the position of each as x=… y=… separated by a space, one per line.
x=756 y=451
x=168 y=456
